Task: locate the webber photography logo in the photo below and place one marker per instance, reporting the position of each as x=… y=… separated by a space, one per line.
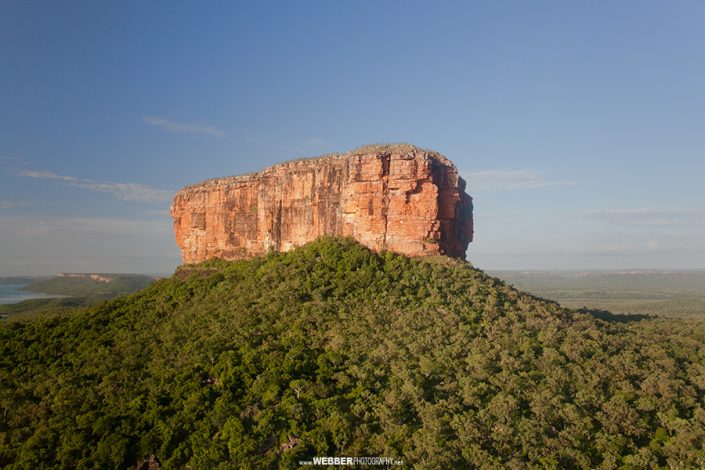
x=353 y=461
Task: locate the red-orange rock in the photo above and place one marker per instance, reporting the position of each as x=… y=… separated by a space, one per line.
x=399 y=198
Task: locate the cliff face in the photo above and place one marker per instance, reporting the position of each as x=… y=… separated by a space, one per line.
x=392 y=197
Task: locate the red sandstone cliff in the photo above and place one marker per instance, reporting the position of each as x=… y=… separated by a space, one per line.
x=389 y=197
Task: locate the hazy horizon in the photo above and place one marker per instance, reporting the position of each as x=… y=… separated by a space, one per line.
x=579 y=127
x=489 y=270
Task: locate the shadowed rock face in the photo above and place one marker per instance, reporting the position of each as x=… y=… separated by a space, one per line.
x=399 y=198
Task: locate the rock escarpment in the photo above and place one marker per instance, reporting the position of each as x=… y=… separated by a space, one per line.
x=388 y=197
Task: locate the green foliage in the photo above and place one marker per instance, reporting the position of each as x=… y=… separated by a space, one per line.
x=34 y=307
x=333 y=350
x=120 y=284
x=75 y=291
x=673 y=294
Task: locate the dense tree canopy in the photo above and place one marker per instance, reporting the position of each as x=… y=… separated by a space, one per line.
x=333 y=350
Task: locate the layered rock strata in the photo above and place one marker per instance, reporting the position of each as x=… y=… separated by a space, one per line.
x=388 y=197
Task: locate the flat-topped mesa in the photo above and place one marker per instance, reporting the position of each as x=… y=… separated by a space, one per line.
x=399 y=198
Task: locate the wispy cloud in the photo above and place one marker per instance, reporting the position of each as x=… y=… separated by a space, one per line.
x=48 y=175
x=507 y=179
x=183 y=128
x=122 y=191
x=649 y=216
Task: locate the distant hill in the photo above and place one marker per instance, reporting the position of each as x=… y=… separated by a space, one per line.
x=332 y=350
x=99 y=286
x=669 y=293
x=76 y=289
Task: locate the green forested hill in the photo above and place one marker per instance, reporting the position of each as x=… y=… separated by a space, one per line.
x=664 y=293
x=332 y=350
x=74 y=292
x=119 y=284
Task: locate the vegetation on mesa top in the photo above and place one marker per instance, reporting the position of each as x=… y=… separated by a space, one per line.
x=333 y=350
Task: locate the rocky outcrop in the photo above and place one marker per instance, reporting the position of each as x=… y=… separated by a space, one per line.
x=389 y=197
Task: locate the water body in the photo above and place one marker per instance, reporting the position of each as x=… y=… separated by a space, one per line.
x=13 y=293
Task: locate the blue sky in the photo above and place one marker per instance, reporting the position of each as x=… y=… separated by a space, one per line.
x=580 y=126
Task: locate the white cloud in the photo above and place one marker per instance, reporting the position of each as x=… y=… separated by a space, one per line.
x=507 y=179
x=649 y=216
x=183 y=128
x=48 y=175
x=123 y=191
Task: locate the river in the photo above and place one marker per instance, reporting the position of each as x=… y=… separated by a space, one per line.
x=13 y=293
